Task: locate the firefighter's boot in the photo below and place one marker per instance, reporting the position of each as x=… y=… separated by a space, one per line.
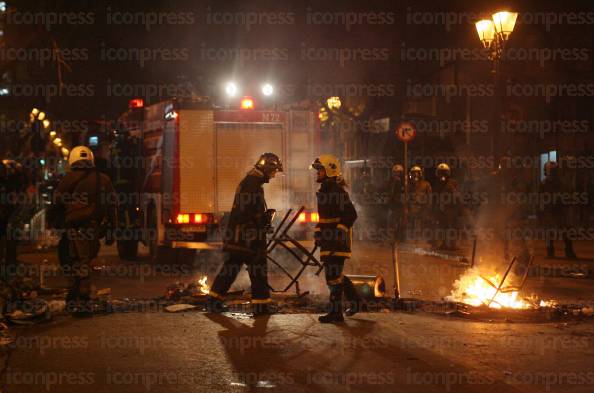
x=335 y=314
x=355 y=302
x=263 y=309
x=78 y=298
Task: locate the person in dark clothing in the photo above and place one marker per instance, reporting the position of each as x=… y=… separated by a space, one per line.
x=506 y=212
x=334 y=235
x=552 y=213
x=446 y=208
x=419 y=203
x=12 y=199
x=84 y=208
x=245 y=238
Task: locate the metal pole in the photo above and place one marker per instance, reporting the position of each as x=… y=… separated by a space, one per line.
x=404 y=223
x=396 y=269
x=405 y=180
x=473 y=251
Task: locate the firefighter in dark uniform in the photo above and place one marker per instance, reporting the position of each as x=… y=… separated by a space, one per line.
x=84 y=207
x=446 y=207
x=553 y=213
x=334 y=235
x=419 y=202
x=245 y=238
x=397 y=205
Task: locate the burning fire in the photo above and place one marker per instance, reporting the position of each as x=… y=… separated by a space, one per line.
x=476 y=290
x=203 y=286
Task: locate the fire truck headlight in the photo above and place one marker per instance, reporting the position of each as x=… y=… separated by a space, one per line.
x=267 y=89
x=231 y=89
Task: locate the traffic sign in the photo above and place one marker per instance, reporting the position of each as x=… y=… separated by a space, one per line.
x=406 y=131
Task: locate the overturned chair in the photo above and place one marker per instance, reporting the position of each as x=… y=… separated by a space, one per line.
x=282 y=238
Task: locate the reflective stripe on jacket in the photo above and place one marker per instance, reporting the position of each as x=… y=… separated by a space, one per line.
x=337 y=216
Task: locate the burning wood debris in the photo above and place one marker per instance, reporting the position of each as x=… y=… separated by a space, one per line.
x=476 y=289
x=196 y=289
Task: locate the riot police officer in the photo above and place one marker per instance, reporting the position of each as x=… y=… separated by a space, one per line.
x=84 y=206
x=245 y=237
x=419 y=201
x=552 y=213
x=507 y=211
x=446 y=207
x=334 y=234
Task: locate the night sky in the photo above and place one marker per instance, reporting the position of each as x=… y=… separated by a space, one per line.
x=197 y=45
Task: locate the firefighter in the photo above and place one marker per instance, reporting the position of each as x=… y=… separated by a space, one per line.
x=419 y=202
x=334 y=234
x=397 y=205
x=245 y=238
x=552 y=213
x=84 y=208
x=446 y=207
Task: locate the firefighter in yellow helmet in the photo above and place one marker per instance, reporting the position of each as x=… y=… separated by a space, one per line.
x=245 y=238
x=334 y=234
x=85 y=208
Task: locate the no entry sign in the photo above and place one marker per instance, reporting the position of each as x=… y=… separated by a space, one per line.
x=406 y=131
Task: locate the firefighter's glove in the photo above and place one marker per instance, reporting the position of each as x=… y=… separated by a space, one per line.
x=318 y=237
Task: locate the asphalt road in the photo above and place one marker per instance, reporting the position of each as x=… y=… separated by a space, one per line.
x=379 y=352
x=197 y=352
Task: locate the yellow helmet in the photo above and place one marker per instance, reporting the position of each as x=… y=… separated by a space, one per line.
x=81 y=154
x=329 y=162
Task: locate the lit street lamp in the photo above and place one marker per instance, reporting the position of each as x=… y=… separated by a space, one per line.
x=494 y=34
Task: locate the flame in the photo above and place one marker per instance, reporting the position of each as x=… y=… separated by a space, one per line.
x=476 y=290
x=203 y=286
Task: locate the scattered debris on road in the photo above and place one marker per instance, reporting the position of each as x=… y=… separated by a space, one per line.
x=180 y=307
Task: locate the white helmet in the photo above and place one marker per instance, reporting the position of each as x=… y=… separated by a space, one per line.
x=80 y=153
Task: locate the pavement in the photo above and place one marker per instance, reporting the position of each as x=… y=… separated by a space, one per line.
x=393 y=352
x=381 y=351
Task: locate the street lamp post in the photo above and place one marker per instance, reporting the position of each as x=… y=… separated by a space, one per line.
x=494 y=34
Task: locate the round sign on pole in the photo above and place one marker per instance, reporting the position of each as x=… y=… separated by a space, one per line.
x=406 y=131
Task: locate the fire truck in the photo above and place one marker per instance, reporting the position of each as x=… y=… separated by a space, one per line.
x=176 y=166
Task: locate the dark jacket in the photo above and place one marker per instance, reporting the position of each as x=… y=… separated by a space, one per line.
x=246 y=229
x=84 y=198
x=334 y=232
x=551 y=210
x=397 y=195
x=446 y=200
x=420 y=198
x=12 y=189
